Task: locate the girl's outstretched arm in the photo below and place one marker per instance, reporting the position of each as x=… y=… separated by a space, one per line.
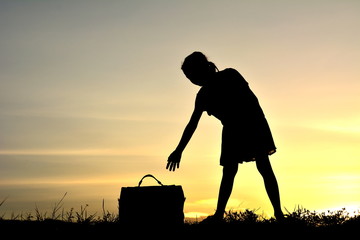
x=175 y=156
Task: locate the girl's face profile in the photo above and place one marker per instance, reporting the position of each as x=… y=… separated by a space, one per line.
x=195 y=77
x=197 y=74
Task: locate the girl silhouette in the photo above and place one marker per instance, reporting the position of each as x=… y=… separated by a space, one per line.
x=246 y=135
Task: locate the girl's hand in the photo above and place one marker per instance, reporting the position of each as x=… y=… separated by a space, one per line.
x=173 y=161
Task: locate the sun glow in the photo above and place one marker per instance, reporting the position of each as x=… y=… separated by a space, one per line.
x=106 y=103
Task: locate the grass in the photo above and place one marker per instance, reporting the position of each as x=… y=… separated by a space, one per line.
x=299 y=216
x=58 y=213
x=80 y=224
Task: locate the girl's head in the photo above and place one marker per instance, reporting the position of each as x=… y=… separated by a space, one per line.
x=197 y=68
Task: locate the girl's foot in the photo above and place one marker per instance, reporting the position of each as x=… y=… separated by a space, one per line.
x=279 y=217
x=213 y=219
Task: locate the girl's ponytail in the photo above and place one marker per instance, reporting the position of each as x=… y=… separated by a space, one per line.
x=213 y=67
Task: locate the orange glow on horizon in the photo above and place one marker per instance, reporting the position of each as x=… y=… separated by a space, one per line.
x=99 y=107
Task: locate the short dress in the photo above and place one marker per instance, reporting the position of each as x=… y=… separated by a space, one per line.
x=246 y=135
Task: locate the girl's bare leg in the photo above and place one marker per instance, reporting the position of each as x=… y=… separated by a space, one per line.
x=271 y=185
x=227 y=181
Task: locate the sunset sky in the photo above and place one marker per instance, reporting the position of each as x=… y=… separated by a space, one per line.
x=92 y=98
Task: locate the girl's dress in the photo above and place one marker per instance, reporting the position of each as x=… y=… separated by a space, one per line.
x=246 y=135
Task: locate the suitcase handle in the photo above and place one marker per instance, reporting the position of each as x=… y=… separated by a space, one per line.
x=149 y=175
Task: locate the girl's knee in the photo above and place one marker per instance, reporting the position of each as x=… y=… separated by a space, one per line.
x=263 y=165
x=230 y=170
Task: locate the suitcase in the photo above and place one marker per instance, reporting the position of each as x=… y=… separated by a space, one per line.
x=151 y=205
